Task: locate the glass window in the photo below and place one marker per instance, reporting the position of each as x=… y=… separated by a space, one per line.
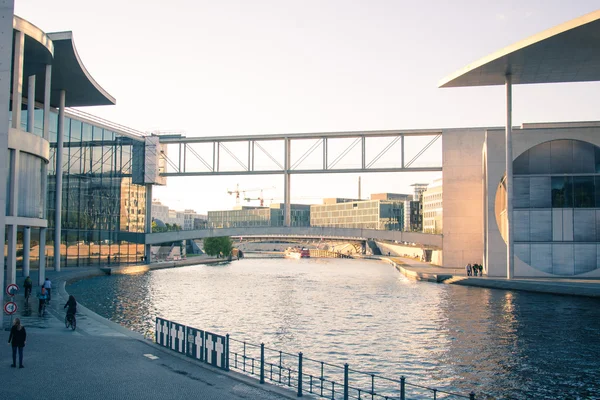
x=539 y=159
x=562 y=191
x=521 y=164
x=75 y=130
x=562 y=156
x=583 y=157
x=86 y=133
x=584 y=191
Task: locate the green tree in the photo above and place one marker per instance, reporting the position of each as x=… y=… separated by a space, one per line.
x=218 y=245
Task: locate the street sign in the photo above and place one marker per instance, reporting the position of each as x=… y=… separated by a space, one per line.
x=10 y=308
x=12 y=289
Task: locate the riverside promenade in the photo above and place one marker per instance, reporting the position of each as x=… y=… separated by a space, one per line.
x=418 y=270
x=103 y=360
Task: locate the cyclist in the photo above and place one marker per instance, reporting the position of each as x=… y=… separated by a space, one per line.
x=72 y=310
x=28 y=285
x=48 y=285
x=43 y=296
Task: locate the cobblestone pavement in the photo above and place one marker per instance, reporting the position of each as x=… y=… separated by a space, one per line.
x=101 y=360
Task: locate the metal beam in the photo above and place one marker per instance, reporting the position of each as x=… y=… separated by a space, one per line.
x=305 y=171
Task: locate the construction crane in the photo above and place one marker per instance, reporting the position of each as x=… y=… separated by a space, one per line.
x=261 y=198
x=237 y=191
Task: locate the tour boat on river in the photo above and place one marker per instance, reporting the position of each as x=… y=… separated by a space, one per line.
x=297 y=252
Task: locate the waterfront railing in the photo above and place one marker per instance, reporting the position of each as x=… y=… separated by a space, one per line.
x=305 y=375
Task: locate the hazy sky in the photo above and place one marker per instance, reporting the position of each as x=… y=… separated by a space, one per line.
x=226 y=67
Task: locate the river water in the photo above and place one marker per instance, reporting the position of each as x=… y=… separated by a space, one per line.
x=497 y=343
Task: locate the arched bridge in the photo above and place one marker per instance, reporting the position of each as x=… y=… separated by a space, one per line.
x=420 y=239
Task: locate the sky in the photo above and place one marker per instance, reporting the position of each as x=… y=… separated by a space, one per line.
x=211 y=68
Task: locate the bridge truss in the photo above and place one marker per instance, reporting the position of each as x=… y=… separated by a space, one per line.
x=303 y=153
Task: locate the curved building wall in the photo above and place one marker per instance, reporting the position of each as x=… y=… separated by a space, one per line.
x=556 y=192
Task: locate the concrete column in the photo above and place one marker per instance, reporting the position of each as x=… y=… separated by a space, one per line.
x=47 y=89
x=148 y=247
x=11 y=259
x=31 y=104
x=26 y=249
x=287 y=211
x=42 y=273
x=59 y=173
x=6 y=42
x=510 y=262
x=17 y=94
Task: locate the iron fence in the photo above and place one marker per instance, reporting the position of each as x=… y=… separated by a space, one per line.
x=323 y=379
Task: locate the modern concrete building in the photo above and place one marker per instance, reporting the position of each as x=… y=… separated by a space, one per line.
x=248 y=216
x=384 y=211
x=533 y=207
x=433 y=210
x=73 y=186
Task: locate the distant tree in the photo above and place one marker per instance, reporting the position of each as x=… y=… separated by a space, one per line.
x=218 y=245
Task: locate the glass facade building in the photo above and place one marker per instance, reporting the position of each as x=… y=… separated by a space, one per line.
x=103 y=212
x=365 y=214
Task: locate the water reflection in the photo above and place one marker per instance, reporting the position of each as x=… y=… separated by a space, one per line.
x=500 y=344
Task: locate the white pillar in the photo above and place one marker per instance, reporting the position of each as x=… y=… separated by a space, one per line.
x=287 y=210
x=59 y=173
x=31 y=104
x=17 y=94
x=42 y=270
x=148 y=247
x=11 y=259
x=510 y=267
x=47 y=88
x=26 y=249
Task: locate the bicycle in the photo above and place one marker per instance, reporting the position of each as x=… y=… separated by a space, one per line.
x=42 y=312
x=70 y=321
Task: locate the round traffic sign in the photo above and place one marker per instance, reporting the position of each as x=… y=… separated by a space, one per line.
x=12 y=289
x=10 y=308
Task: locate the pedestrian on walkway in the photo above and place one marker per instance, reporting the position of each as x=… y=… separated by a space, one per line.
x=17 y=339
x=468 y=267
x=48 y=287
x=475 y=269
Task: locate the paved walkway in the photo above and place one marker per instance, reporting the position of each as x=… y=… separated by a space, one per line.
x=566 y=286
x=102 y=360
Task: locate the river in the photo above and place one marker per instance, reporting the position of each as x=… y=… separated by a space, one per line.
x=500 y=344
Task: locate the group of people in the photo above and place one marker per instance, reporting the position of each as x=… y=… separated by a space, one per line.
x=18 y=335
x=474 y=270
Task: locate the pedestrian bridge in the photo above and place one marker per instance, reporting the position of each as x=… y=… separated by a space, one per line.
x=424 y=240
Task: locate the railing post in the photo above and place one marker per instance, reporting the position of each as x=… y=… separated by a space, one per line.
x=300 y=374
x=227 y=352
x=402 y=388
x=472 y=396
x=346 y=381
x=262 y=363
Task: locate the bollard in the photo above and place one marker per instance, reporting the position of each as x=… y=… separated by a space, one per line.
x=402 y=388
x=471 y=396
x=227 y=352
x=262 y=363
x=300 y=374
x=346 y=381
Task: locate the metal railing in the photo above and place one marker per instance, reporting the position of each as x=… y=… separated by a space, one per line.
x=324 y=379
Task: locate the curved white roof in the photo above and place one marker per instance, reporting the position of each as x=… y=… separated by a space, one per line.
x=569 y=52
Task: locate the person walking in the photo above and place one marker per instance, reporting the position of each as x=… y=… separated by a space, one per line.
x=17 y=339
x=475 y=269
x=48 y=287
x=468 y=267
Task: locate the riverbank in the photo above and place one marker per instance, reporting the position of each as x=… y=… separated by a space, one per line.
x=107 y=360
x=421 y=271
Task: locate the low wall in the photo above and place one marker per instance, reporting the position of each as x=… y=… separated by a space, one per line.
x=409 y=251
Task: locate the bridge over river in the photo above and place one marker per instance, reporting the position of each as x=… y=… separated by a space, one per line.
x=423 y=240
